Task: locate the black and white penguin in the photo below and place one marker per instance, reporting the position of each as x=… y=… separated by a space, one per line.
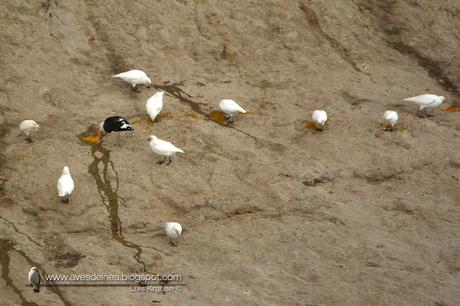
x=115 y=124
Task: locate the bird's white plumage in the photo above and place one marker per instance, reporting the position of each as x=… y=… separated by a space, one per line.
x=390 y=117
x=154 y=105
x=163 y=147
x=134 y=77
x=319 y=117
x=34 y=278
x=28 y=126
x=173 y=230
x=426 y=100
x=230 y=107
x=65 y=183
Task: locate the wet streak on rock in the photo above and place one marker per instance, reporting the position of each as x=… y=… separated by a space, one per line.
x=7 y=246
x=116 y=61
x=19 y=232
x=110 y=197
x=313 y=21
x=174 y=90
x=384 y=15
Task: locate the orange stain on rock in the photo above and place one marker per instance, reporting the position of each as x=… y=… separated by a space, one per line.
x=452 y=109
x=218 y=116
x=91 y=138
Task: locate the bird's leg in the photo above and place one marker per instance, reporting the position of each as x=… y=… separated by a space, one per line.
x=169 y=160
x=68 y=200
x=29 y=138
x=229 y=119
x=162 y=161
x=426 y=113
x=136 y=89
x=173 y=242
x=421 y=113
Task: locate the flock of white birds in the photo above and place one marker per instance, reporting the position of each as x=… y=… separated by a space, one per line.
x=154 y=106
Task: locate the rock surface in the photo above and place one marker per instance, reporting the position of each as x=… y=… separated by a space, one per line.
x=273 y=213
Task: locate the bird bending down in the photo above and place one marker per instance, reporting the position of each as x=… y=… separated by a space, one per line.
x=230 y=108
x=65 y=185
x=154 y=105
x=28 y=127
x=114 y=124
x=134 y=77
x=426 y=101
x=319 y=117
x=34 y=279
x=390 y=118
x=164 y=148
x=173 y=231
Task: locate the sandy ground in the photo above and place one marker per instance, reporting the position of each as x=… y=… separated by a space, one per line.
x=273 y=213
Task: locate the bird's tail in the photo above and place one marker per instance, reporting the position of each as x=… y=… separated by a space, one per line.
x=409 y=100
x=65 y=199
x=117 y=75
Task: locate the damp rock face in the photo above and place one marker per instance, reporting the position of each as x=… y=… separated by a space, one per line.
x=274 y=212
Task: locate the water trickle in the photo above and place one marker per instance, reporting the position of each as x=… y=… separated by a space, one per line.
x=174 y=90
x=110 y=198
x=8 y=246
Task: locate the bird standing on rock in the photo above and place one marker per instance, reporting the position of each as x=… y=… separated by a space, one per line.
x=319 y=117
x=154 y=105
x=230 y=108
x=173 y=231
x=164 y=148
x=134 y=77
x=65 y=185
x=28 y=127
x=426 y=101
x=34 y=279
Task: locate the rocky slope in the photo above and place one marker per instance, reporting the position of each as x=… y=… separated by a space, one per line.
x=273 y=213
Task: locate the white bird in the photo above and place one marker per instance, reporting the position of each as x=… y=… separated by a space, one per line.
x=65 y=185
x=173 y=231
x=34 y=279
x=426 y=101
x=134 y=77
x=28 y=127
x=154 y=105
x=164 y=148
x=230 y=108
x=390 y=118
x=319 y=117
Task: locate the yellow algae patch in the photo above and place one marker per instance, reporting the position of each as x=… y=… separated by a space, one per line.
x=310 y=125
x=218 y=116
x=192 y=115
